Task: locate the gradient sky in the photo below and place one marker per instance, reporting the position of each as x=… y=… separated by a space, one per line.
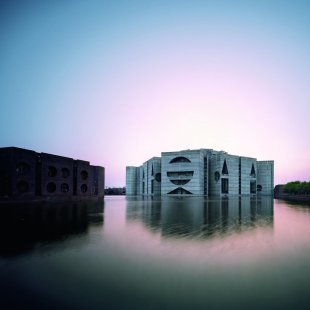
x=117 y=82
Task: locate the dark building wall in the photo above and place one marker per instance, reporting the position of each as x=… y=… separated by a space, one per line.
x=27 y=174
x=56 y=175
x=23 y=180
x=5 y=173
x=18 y=171
x=83 y=178
x=98 y=181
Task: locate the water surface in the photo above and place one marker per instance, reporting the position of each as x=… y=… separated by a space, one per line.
x=174 y=253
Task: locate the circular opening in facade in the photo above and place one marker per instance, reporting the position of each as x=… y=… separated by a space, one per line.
x=158 y=177
x=23 y=187
x=84 y=174
x=51 y=171
x=83 y=188
x=51 y=187
x=259 y=188
x=22 y=168
x=216 y=176
x=65 y=172
x=64 y=188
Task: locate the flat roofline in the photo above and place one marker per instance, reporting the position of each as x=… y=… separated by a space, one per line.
x=152 y=158
x=45 y=154
x=53 y=155
x=182 y=151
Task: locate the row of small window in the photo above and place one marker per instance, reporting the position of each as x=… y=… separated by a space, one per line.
x=23 y=187
x=64 y=187
x=65 y=172
x=23 y=168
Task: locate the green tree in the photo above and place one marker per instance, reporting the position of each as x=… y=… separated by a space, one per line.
x=297 y=187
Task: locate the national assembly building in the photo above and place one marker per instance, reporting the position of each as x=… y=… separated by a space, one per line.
x=202 y=172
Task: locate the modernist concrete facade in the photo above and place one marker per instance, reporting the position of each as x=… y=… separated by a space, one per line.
x=28 y=175
x=202 y=172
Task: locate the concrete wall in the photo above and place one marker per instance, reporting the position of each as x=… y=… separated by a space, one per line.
x=173 y=172
x=155 y=176
x=216 y=174
x=148 y=178
x=131 y=180
x=246 y=178
x=200 y=172
x=232 y=163
x=215 y=169
x=265 y=176
x=140 y=181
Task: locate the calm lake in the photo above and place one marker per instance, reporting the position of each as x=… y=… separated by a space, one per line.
x=174 y=253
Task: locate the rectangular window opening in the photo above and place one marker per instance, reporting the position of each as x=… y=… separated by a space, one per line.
x=253 y=187
x=224 y=186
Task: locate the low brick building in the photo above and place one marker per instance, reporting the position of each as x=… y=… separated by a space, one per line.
x=28 y=175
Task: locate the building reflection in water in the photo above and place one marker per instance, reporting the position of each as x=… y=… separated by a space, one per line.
x=23 y=226
x=190 y=217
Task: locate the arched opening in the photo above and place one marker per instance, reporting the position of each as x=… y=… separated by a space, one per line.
x=180 y=159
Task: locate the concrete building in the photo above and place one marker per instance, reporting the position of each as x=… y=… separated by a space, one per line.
x=202 y=172
x=28 y=175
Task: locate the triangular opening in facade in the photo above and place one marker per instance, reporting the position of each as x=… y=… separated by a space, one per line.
x=225 y=170
x=253 y=174
x=180 y=191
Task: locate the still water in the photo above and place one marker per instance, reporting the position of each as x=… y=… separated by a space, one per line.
x=174 y=253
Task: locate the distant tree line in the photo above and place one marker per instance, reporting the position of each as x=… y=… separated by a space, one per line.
x=297 y=188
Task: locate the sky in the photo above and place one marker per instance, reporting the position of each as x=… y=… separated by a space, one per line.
x=118 y=82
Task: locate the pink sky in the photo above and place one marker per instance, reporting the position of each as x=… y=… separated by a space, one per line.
x=118 y=83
